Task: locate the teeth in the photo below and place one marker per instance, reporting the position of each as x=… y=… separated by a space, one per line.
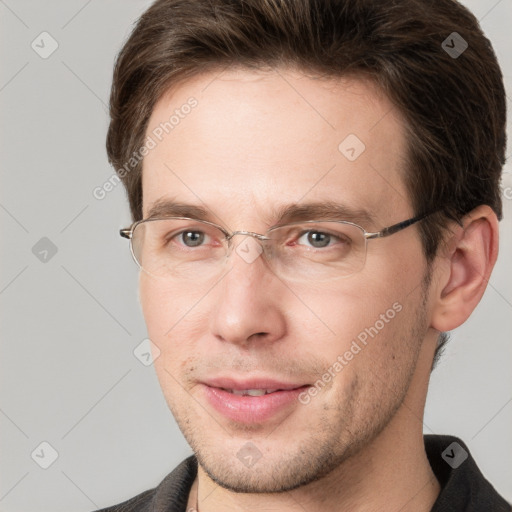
x=251 y=392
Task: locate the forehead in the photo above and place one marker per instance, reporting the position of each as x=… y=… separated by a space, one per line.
x=244 y=143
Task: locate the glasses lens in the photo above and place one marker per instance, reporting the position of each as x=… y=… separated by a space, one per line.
x=318 y=251
x=177 y=248
x=189 y=249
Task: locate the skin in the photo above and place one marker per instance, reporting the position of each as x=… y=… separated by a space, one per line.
x=271 y=138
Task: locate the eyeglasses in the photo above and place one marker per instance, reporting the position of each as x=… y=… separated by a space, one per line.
x=180 y=248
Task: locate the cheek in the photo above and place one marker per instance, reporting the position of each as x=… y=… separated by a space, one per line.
x=338 y=313
x=156 y=304
x=163 y=305
x=396 y=264
x=358 y=324
x=173 y=319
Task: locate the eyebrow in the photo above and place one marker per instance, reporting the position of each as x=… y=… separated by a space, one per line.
x=322 y=210
x=284 y=214
x=163 y=208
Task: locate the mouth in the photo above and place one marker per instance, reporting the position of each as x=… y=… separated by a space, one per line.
x=251 y=392
x=254 y=402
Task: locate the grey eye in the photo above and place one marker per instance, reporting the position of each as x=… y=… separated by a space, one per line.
x=316 y=238
x=319 y=239
x=192 y=238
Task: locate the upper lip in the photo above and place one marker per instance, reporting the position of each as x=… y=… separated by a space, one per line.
x=252 y=383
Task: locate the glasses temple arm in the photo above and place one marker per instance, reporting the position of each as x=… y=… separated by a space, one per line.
x=397 y=227
x=126 y=233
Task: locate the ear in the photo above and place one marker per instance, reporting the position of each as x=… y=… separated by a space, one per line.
x=464 y=268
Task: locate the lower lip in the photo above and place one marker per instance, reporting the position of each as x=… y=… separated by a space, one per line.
x=251 y=409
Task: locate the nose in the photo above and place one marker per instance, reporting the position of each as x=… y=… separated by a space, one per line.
x=248 y=302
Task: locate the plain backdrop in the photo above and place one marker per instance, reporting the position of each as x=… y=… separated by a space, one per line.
x=68 y=287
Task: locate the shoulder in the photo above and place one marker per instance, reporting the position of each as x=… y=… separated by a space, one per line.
x=463 y=486
x=139 y=503
x=170 y=495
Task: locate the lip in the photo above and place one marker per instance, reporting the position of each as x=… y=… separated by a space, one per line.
x=251 y=409
x=253 y=383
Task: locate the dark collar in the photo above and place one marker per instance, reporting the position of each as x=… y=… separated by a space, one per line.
x=463 y=487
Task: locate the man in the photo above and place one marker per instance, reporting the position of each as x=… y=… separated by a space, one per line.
x=315 y=194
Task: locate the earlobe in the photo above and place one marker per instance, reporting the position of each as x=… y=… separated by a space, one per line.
x=465 y=271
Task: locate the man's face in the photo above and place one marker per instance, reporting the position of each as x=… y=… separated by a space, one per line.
x=256 y=142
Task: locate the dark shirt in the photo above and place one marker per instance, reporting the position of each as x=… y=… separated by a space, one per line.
x=463 y=487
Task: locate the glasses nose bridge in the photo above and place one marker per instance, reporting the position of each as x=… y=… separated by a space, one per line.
x=258 y=236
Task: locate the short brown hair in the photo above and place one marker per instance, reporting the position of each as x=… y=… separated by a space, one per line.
x=454 y=105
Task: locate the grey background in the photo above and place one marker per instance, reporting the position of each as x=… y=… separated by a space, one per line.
x=70 y=325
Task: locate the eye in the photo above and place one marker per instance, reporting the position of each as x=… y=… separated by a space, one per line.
x=321 y=239
x=191 y=238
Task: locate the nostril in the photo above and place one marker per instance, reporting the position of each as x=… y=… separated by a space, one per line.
x=258 y=335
